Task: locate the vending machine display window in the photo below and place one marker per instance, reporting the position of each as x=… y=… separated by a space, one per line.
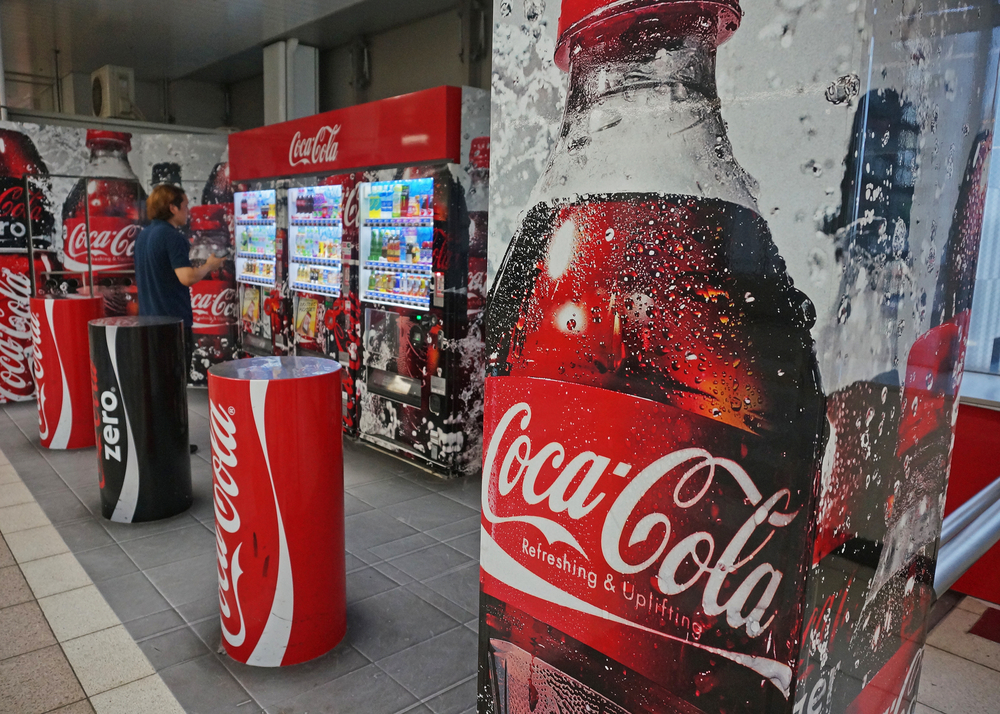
x=397 y=242
x=255 y=237
x=315 y=231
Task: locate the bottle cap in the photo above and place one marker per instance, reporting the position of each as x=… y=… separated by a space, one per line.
x=583 y=21
x=479 y=154
x=99 y=138
x=208 y=218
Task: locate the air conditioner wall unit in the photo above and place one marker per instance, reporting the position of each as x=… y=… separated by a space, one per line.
x=114 y=92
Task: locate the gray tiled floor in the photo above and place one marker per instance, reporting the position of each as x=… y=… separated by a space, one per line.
x=412 y=583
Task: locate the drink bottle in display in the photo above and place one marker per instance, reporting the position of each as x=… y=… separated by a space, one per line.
x=653 y=417
x=117 y=207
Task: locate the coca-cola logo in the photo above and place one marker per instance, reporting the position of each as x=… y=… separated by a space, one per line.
x=109 y=426
x=319 y=149
x=109 y=243
x=214 y=307
x=577 y=497
x=12 y=204
x=227 y=518
x=15 y=335
x=39 y=371
x=351 y=207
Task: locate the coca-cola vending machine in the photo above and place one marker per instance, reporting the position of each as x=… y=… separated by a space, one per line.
x=421 y=324
x=687 y=507
x=393 y=296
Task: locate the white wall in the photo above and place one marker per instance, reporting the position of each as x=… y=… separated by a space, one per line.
x=420 y=55
x=191 y=103
x=247 y=101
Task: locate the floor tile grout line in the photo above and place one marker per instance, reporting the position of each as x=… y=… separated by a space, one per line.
x=90 y=581
x=423 y=701
x=963 y=657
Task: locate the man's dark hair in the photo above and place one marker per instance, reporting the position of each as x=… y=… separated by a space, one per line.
x=161 y=199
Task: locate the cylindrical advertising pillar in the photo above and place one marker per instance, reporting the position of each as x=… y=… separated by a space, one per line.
x=278 y=469
x=140 y=417
x=62 y=377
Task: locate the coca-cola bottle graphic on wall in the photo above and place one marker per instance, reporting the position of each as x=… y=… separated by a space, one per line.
x=653 y=417
x=213 y=300
x=19 y=157
x=116 y=202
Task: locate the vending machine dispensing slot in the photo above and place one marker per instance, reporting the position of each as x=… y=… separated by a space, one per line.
x=394 y=386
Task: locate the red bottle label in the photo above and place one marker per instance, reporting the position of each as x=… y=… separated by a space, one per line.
x=214 y=305
x=650 y=534
x=112 y=242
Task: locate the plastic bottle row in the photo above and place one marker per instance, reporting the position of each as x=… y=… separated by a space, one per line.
x=329 y=277
x=401 y=199
x=316 y=202
x=399 y=284
x=255 y=205
x=258 y=269
x=316 y=242
x=258 y=240
x=413 y=246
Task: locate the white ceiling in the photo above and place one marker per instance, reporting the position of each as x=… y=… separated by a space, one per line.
x=217 y=40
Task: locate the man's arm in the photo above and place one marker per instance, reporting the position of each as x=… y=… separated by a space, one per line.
x=189 y=276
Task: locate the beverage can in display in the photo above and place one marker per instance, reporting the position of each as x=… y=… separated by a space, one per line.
x=18 y=158
x=117 y=207
x=653 y=416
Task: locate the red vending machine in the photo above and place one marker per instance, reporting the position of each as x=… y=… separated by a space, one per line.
x=371 y=263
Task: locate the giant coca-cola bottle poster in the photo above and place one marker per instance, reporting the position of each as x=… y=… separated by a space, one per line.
x=113 y=171
x=731 y=258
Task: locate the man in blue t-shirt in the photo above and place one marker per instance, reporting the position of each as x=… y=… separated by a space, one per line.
x=163 y=271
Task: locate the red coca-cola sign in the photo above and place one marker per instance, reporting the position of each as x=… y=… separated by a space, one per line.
x=414 y=128
x=112 y=243
x=214 y=305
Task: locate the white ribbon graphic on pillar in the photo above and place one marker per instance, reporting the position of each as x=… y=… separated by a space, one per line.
x=129 y=496
x=273 y=642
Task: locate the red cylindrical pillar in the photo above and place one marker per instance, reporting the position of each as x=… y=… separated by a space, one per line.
x=278 y=469
x=61 y=369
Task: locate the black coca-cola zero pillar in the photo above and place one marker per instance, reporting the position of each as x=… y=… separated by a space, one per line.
x=140 y=415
